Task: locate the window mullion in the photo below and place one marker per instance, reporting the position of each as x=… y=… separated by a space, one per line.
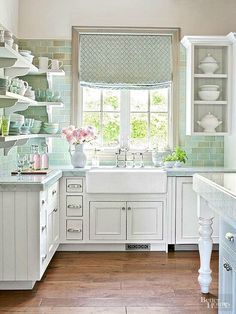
x=125 y=118
x=101 y=115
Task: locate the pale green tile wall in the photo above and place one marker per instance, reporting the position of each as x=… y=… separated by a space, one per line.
x=201 y=150
x=57 y=49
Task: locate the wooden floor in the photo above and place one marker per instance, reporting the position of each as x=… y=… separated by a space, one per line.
x=116 y=283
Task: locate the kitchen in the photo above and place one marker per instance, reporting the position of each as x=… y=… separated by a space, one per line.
x=113 y=225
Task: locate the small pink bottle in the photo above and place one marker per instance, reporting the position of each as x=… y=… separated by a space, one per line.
x=37 y=164
x=44 y=157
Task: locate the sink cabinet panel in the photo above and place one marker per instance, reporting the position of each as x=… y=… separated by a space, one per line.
x=108 y=220
x=145 y=220
x=187 y=226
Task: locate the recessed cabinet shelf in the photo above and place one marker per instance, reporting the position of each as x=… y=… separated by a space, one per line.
x=210 y=75
x=208 y=102
x=219 y=49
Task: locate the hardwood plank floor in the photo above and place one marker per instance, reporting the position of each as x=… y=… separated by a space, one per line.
x=116 y=283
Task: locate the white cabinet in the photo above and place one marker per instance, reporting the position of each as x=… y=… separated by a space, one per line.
x=144 y=220
x=72 y=203
x=186 y=213
x=198 y=79
x=227 y=268
x=126 y=220
x=108 y=220
x=29 y=225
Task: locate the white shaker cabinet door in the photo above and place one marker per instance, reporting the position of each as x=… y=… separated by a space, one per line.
x=187 y=226
x=108 y=220
x=145 y=220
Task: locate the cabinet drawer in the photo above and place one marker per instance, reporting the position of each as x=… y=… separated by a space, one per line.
x=228 y=235
x=74 y=229
x=74 y=205
x=74 y=185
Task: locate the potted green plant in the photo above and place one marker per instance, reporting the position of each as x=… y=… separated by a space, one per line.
x=181 y=156
x=169 y=160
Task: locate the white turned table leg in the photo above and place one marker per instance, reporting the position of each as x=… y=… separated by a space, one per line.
x=205 y=249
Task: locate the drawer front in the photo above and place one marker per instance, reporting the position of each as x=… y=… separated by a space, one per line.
x=74 y=185
x=74 y=205
x=228 y=235
x=74 y=229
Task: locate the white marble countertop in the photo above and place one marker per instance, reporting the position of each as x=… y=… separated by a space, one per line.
x=69 y=171
x=29 y=182
x=219 y=190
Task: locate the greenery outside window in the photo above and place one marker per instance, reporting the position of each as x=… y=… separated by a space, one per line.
x=138 y=119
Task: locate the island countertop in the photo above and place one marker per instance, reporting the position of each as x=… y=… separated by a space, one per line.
x=29 y=182
x=219 y=190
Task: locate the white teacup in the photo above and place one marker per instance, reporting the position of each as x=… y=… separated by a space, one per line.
x=56 y=64
x=43 y=63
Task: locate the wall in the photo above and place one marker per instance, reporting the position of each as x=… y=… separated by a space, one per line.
x=53 y=19
x=9 y=10
x=202 y=151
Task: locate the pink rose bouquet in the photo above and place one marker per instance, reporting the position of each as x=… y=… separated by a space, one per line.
x=76 y=136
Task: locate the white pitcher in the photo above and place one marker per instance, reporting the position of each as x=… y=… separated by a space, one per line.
x=43 y=63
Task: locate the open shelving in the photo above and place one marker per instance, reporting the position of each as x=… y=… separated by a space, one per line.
x=220 y=48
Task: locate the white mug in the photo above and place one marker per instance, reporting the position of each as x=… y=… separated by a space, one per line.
x=43 y=63
x=56 y=64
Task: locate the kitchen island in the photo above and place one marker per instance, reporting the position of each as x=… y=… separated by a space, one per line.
x=217 y=195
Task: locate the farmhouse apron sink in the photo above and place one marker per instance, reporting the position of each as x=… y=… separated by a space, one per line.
x=120 y=181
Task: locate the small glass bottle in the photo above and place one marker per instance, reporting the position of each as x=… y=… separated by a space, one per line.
x=95 y=158
x=37 y=164
x=44 y=157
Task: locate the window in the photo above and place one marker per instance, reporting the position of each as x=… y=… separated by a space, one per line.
x=125 y=83
x=139 y=119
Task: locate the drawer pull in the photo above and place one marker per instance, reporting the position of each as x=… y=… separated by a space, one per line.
x=227 y=266
x=229 y=236
x=43 y=228
x=55 y=210
x=74 y=230
x=44 y=257
x=123 y=208
x=73 y=206
x=54 y=192
x=74 y=186
x=129 y=208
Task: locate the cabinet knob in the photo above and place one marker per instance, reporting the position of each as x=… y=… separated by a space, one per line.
x=74 y=230
x=229 y=236
x=43 y=202
x=74 y=206
x=227 y=266
x=55 y=210
x=43 y=228
x=54 y=192
x=123 y=208
x=44 y=257
x=129 y=208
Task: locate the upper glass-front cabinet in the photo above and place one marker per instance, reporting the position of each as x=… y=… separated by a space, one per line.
x=208 y=84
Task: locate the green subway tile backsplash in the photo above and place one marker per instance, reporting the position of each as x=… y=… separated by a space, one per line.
x=201 y=150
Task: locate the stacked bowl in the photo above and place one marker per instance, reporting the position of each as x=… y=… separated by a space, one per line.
x=50 y=128
x=209 y=92
x=27 y=55
x=36 y=127
x=18 y=119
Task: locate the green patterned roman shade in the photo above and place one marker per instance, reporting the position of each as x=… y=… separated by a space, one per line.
x=127 y=61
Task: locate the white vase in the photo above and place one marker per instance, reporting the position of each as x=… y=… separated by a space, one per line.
x=78 y=157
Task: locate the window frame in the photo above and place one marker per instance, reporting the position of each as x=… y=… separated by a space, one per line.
x=77 y=110
x=125 y=116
